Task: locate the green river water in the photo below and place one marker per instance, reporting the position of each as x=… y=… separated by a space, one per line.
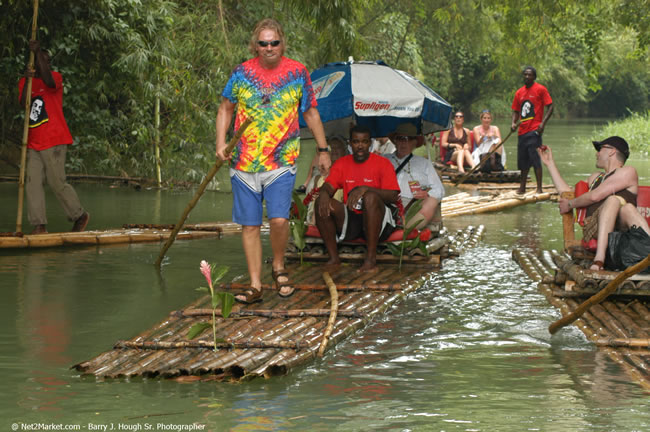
x=469 y=352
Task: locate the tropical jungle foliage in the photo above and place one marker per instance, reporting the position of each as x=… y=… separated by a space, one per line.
x=119 y=57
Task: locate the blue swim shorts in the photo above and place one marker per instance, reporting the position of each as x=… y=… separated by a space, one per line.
x=251 y=189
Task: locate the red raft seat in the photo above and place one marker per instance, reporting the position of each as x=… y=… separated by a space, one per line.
x=425 y=235
x=642 y=205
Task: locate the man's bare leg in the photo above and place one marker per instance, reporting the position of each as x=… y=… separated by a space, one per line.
x=606 y=221
x=252 y=243
x=279 y=228
x=524 y=179
x=538 y=176
x=629 y=216
x=373 y=215
x=328 y=226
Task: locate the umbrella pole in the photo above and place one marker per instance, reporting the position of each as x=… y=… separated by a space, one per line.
x=204 y=184
x=23 y=148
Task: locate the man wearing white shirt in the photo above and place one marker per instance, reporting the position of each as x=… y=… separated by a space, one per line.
x=416 y=176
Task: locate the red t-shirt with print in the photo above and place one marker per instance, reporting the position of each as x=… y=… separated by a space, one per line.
x=529 y=102
x=47 y=126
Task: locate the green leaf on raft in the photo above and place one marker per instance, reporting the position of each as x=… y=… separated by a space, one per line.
x=227 y=300
x=197 y=329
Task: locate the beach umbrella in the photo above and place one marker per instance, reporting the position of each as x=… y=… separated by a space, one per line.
x=375 y=95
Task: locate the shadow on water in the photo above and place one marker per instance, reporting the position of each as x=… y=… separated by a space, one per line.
x=470 y=351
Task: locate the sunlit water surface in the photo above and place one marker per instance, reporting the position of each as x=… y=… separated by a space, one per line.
x=470 y=351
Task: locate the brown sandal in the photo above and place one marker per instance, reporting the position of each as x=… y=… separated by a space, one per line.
x=279 y=285
x=251 y=295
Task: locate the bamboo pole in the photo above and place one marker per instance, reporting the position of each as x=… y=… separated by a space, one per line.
x=156 y=142
x=270 y=313
x=485 y=158
x=319 y=287
x=600 y=296
x=334 y=310
x=200 y=190
x=567 y=223
x=23 y=148
x=166 y=345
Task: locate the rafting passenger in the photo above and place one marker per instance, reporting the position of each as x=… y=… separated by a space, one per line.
x=611 y=199
x=488 y=137
x=458 y=143
x=369 y=185
x=270 y=89
x=338 y=149
x=416 y=176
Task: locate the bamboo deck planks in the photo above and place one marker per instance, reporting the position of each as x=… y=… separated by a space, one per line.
x=268 y=338
x=620 y=325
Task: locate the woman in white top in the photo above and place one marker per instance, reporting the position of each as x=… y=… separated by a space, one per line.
x=487 y=137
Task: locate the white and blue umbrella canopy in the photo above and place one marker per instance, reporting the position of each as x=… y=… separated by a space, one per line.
x=377 y=96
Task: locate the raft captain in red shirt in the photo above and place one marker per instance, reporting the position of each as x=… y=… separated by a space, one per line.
x=369 y=185
x=47 y=145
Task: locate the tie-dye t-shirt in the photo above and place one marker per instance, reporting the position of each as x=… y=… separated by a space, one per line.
x=271 y=98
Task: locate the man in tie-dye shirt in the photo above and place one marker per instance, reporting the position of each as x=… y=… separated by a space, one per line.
x=270 y=89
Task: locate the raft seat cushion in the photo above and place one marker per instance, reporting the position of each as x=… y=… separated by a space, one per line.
x=425 y=235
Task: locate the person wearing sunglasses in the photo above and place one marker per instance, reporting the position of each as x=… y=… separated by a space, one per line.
x=528 y=115
x=612 y=196
x=458 y=143
x=270 y=89
x=416 y=176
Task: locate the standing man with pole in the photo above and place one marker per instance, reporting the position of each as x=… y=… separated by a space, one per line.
x=270 y=89
x=47 y=145
x=528 y=114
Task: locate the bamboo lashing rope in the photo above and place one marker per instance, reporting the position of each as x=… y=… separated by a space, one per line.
x=200 y=190
x=485 y=158
x=23 y=147
x=600 y=296
x=334 y=304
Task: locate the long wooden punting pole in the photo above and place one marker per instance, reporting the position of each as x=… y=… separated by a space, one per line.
x=482 y=162
x=199 y=192
x=28 y=106
x=600 y=296
x=334 y=302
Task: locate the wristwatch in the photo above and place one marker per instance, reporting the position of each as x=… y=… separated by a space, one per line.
x=323 y=150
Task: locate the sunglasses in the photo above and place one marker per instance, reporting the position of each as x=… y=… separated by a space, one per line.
x=459 y=116
x=405 y=138
x=264 y=44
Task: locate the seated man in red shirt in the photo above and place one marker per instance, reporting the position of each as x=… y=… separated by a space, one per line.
x=369 y=184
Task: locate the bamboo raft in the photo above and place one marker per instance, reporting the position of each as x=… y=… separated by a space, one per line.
x=464 y=203
x=449 y=174
x=620 y=325
x=137 y=233
x=269 y=338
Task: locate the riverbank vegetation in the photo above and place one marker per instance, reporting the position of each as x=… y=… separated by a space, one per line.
x=635 y=129
x=122 y=58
